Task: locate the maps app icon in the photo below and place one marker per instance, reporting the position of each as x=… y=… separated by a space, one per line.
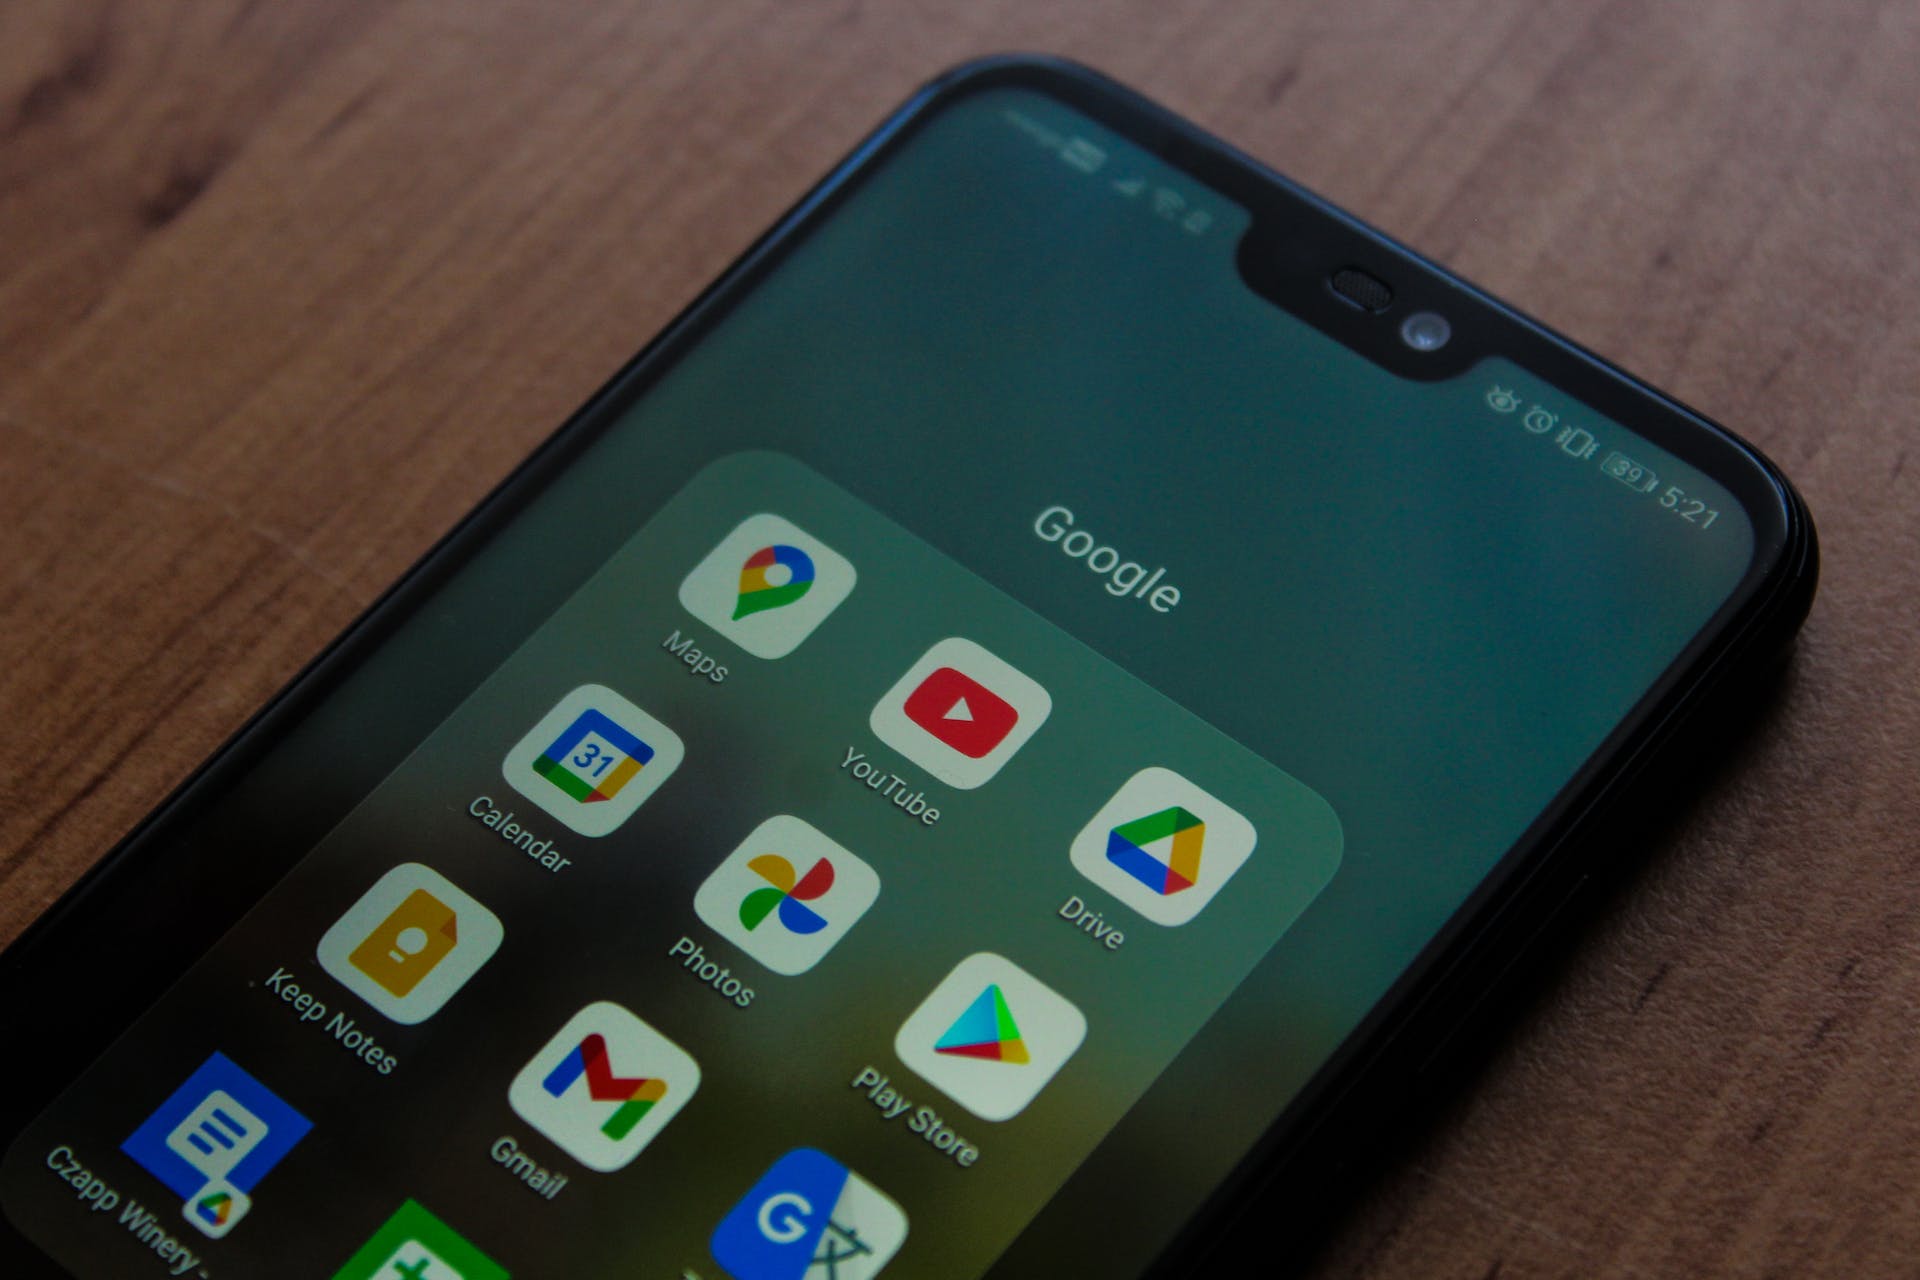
x=213 y=1140
x=810 y=1215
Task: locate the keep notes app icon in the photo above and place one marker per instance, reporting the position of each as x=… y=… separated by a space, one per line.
x=410 y=942
x=767 y=585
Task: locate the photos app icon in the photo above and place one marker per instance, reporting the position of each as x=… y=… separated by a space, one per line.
x=767 y=585
x=787 y=895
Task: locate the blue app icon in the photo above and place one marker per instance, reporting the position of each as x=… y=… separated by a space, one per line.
x=213 y=1139
x=809 y=1211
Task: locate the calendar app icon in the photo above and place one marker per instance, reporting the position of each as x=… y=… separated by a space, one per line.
x=593 y=759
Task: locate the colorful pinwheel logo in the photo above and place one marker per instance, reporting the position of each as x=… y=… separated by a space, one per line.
x=786 y=895
x=758 y=900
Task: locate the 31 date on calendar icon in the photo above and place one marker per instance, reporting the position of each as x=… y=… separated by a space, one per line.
x=593 y=760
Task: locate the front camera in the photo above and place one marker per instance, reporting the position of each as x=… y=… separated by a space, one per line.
x=1425 y=331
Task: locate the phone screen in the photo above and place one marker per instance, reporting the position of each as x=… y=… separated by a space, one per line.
x=970 y=742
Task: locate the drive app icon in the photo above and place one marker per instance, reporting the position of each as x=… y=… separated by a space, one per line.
x=961 y=713
x=1163 y=846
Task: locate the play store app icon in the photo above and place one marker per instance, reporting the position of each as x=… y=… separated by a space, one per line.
x=990 y=1036
x=986 y=1030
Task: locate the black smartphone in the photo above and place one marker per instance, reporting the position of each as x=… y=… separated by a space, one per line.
x=1069 y=663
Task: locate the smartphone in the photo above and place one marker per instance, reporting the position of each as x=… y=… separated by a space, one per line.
x=1071 y=662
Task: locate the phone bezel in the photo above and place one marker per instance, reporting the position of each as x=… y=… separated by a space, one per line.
x=129 y=882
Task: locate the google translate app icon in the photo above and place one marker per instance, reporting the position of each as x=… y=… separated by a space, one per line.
x=1163 y=846
x=810 y=1216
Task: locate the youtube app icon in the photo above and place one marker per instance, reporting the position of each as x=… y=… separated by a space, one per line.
x=960 y=713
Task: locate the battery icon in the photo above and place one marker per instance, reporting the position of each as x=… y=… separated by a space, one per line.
x=1628 y=472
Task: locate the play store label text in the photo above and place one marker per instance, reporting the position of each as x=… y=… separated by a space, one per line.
x=923 y=1122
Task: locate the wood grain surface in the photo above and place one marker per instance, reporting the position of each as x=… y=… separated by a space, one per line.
x=285 y=286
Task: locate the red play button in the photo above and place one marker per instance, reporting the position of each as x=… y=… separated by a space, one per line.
x=961 y=712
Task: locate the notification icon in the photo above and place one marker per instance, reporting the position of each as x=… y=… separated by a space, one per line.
x=960 y=713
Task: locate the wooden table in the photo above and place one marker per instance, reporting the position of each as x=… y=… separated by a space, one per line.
x=286 y=286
